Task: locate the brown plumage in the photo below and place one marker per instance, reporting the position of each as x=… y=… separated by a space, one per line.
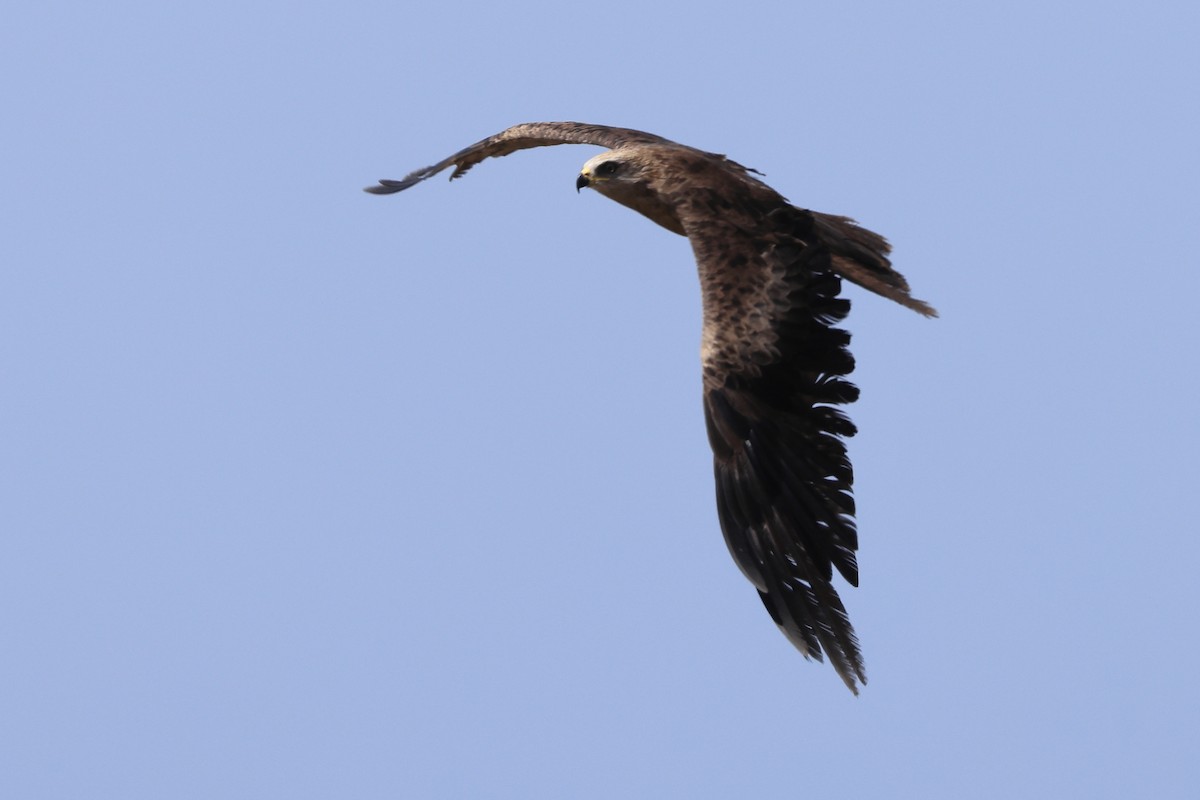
x=774 y=362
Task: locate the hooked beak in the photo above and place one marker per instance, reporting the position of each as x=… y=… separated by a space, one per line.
x=582 y=181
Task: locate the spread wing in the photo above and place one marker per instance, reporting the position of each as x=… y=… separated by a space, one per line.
x=522 y=137
x=775 y=366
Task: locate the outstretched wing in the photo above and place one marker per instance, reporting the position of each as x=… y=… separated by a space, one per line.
x=775 y=366
x=522 y=137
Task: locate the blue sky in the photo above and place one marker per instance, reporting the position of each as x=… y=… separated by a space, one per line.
x=310 y=493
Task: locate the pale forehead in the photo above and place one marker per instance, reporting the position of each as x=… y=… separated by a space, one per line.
x=596 y=161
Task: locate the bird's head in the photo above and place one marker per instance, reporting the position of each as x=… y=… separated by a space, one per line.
x=629 y=177
x=608 y=171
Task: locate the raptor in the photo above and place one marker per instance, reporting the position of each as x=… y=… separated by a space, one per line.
x=774 y=362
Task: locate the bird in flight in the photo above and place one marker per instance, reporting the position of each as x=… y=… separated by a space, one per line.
x=774 y=361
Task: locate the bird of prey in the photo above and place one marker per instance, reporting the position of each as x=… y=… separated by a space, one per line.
x=774 y=361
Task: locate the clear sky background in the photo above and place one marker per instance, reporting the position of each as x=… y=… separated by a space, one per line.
x=307 y=493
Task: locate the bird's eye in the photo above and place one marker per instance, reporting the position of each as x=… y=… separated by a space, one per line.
x=607 y=168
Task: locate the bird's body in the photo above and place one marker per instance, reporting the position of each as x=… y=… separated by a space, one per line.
x=774 y=364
